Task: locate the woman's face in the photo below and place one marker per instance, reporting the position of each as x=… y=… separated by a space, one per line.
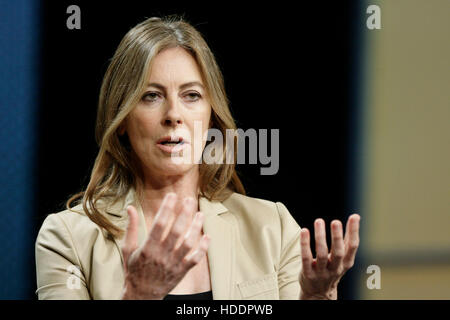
x=173 y=102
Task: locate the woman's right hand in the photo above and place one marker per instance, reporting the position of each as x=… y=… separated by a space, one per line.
x=155 y=268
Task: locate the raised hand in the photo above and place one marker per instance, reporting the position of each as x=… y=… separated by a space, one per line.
x=319 y=277
x=155 y=268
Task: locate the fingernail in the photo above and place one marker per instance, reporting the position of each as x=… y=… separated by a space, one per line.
x=172 y=195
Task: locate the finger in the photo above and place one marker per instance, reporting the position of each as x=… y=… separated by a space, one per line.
x=132 y=228
x=191 y=237
x=180 y=224
x=337 y=245
x=162 y=218
x=307 y=257
x=131 y=234
x=197 y=255
x=347 y=227
x=321 y=244
x=351 y=240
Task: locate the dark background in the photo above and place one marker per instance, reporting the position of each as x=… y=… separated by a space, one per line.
x=285 y=67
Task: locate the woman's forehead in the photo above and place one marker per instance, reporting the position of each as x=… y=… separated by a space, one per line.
x=174 y=66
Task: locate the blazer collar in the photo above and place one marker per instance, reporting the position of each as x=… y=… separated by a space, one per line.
x=221 y=257
x=119 y=209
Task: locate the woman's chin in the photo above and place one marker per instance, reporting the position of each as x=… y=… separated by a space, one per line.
x=170 y=168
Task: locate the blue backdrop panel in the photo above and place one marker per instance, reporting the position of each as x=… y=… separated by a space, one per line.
x=19 y=61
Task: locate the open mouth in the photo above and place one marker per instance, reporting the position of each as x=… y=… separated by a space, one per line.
x=172 y=143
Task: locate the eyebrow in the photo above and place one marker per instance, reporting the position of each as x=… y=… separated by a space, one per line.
x=183 y=86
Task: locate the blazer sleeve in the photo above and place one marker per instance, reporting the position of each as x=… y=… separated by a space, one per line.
x=290 y=258
x=58 y=269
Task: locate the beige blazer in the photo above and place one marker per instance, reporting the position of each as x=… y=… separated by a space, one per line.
x=254 y=251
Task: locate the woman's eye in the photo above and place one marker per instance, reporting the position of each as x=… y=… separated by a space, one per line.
x=151 y=96
x=193 y=96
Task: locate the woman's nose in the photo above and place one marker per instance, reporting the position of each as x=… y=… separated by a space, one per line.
x=172 y=121
x=172 y=115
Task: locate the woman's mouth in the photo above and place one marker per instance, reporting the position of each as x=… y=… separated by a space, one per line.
x=171 y=145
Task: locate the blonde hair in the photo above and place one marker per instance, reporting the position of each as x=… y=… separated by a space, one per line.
x=115 y=170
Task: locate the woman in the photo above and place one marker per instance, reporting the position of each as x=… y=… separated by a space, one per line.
x=151 y=227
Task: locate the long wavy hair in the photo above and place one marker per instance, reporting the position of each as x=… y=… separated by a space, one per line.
x=116 y=169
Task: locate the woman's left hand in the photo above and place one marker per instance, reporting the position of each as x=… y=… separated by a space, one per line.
x=319 y=277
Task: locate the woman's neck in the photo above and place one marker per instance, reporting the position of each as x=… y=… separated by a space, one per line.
x=156 y=188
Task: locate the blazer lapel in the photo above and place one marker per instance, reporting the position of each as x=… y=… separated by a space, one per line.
x=119 y=216
x=221 y=258
x=220 y=252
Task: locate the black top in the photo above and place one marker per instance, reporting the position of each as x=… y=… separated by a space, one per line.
x=207 y=295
